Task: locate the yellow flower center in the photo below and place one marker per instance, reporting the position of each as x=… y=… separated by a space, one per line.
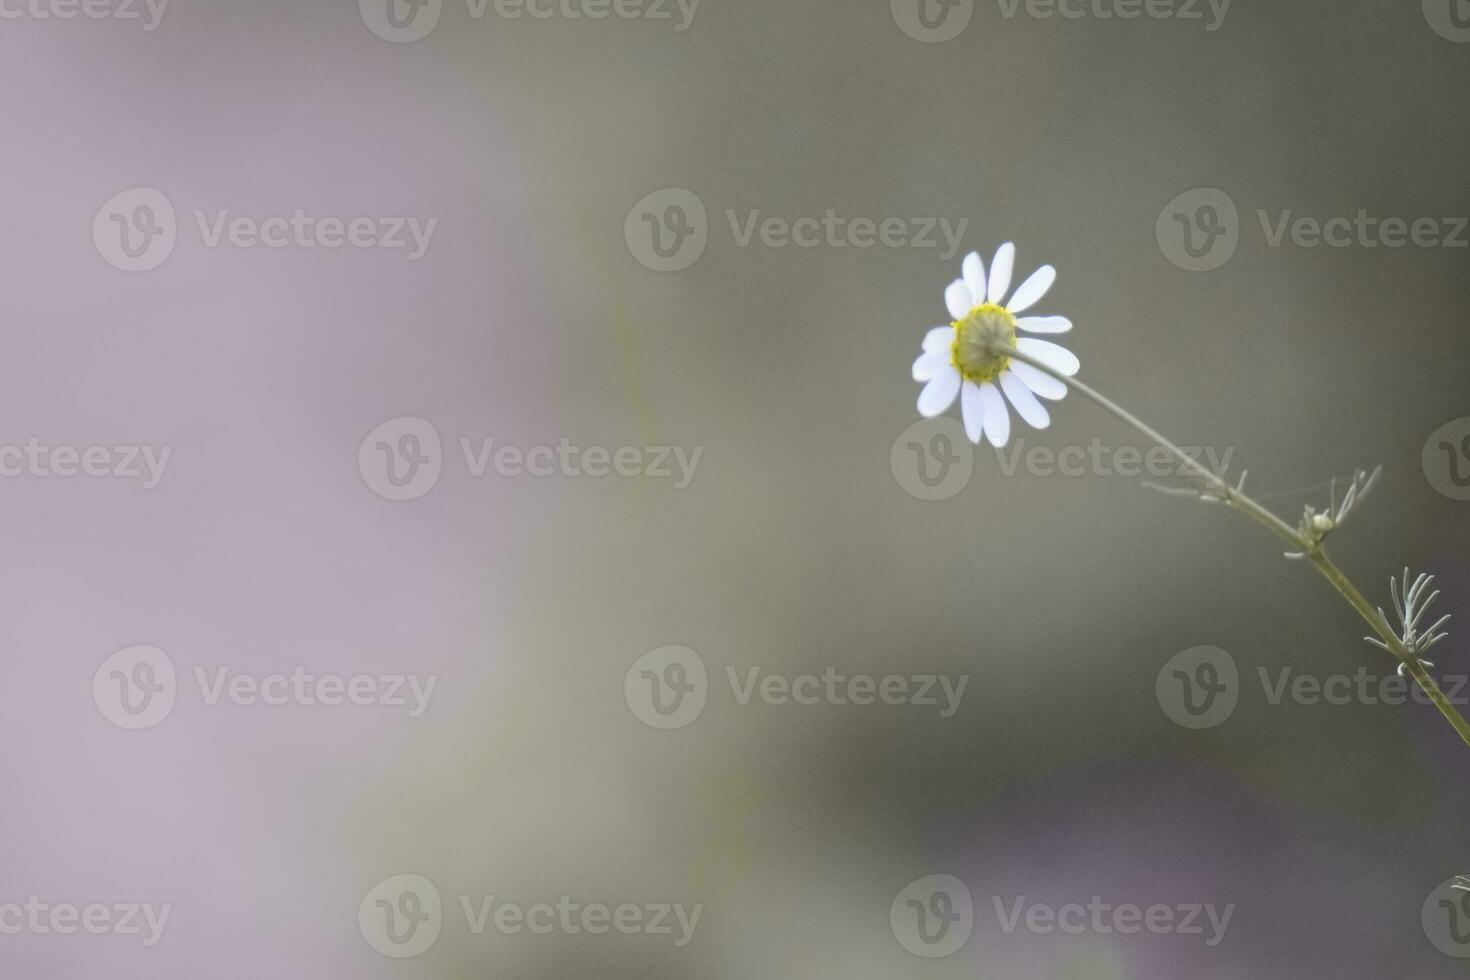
x=976 y=338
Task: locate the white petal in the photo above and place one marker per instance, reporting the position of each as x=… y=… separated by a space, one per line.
x=939 y=338
x=997 y=417
x=959 y=300
x=1026 y=404
x=939 y=393
x=930 y=363
x=1000 y=272
x=973 y=411
x=1040 y=382
x=1058 y=358
x=1044 y=324
x=1032 y=289
x=974 y=270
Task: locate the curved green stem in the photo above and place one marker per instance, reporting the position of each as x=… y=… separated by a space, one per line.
x=1412 y=664
x=1236 y=497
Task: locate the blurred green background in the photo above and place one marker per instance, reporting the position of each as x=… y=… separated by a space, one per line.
x=796 y=548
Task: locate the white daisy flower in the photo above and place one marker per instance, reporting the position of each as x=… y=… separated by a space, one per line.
x=960 y=359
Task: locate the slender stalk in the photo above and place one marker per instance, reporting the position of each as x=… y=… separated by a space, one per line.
x=1412 y=664
x=1236 y=497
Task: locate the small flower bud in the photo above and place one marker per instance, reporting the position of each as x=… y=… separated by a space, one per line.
x=1321 y=523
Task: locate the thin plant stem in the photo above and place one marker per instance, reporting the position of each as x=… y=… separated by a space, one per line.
x=1412 y=664
x=1237 y=498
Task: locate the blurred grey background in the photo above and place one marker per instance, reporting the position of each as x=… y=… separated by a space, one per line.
x=795 y=548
